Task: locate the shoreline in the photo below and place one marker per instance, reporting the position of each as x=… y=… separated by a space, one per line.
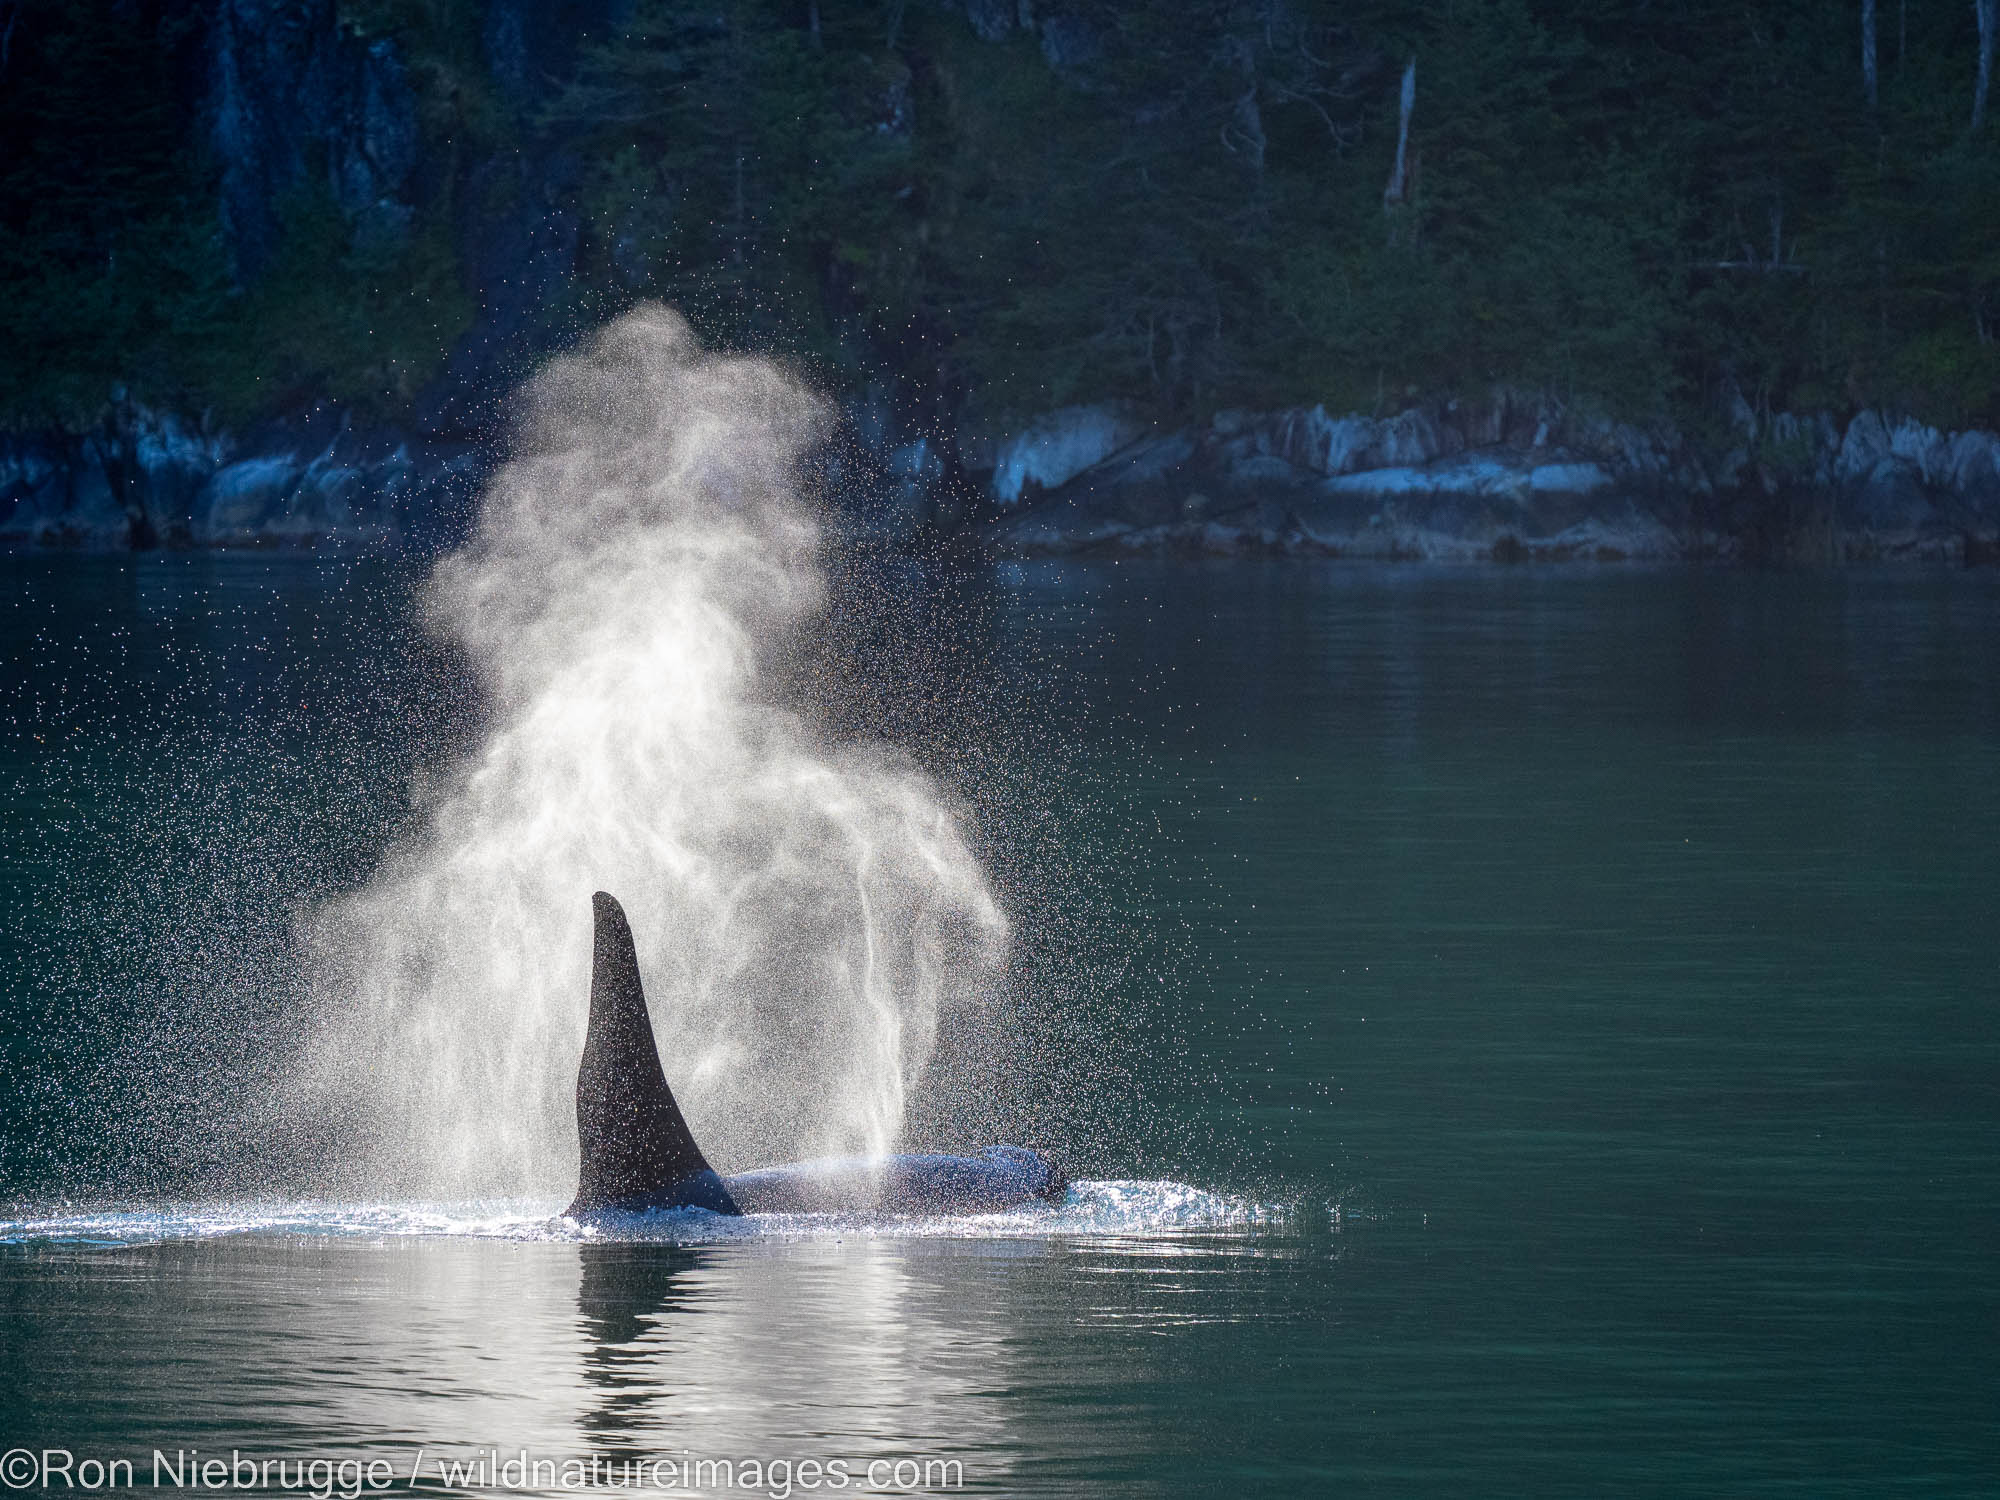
x=1501 y=481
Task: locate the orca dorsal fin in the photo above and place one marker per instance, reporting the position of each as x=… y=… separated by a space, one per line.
x=637 y=1151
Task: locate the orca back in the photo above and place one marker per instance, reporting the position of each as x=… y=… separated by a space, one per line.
x=1000 y=1177
x=637 y=1152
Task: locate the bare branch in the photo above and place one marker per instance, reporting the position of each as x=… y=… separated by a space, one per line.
x=1398 y=180
x=1868 y=50
x=1983 y=10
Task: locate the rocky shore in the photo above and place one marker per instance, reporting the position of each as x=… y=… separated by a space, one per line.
x=1496 y=481
x=145 y=479
x=1449 y=481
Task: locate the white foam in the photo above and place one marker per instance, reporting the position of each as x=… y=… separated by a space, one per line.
x=1091 y=1209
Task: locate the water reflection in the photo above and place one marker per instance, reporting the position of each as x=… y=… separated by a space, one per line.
x=854 y=1347
x=807 y=1350
x=626 y=1297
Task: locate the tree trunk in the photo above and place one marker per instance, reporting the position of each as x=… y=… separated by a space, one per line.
x=1398 y=178
x=1868 y=51
x=1983 y=9
x=741 y=211
x=1245 y=137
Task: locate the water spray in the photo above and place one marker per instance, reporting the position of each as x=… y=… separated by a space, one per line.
x=807 y=910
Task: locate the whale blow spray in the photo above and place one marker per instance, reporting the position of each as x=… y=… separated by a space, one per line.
x=804 y=913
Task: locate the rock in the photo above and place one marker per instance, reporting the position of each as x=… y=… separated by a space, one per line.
x=144 y=478
x=1310 y=439
x=1924 y=448
x=1478 y=476
x=1288 y=481
x=1865 y=444
x=1247 y=497
x=1973 y=479
x=1142 y=464
x=170 y=464
x=1904 y=489
x=1258 y=471
x=1058 y=527
x=61 y=493
x=1479 y=424
x=1138 y=490
x=1326 y=445
x=242 y=499
x=26 y=474
x=1055 y=448
x=1870 y=439
x=127 y=483
x=1411 y=437
x=1567 y=479
x=1889 y=501
x=1484 y=506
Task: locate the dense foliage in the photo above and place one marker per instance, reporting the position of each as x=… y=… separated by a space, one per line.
x=1653 y=207
x=115 y=271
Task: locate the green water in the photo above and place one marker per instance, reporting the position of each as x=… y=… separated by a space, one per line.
x=1596 y=969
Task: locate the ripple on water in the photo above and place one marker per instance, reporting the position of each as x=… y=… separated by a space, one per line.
x=1091 y=1209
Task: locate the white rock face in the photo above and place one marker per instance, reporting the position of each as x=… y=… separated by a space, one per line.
x=1309 y=438
x=1408 y=438
x=1473 y=475
x=1326 y=445
x=241 y=499
x=1869 y=440
x=1865 y=444
x=1058 y=447
x=1921 y=446
x=162 y=441
x=1973 y=463
x=1567 y=479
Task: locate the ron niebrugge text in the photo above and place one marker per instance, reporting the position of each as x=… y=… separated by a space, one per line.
x=322 y=1478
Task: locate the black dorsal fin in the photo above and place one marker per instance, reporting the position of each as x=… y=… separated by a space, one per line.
x=637 y=1151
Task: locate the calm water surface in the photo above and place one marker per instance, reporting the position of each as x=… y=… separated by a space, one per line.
x=1592 y=974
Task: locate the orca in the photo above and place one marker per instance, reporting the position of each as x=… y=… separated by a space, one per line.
x=638 y=1155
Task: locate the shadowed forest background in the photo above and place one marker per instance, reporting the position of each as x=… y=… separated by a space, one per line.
x=1646 y=208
